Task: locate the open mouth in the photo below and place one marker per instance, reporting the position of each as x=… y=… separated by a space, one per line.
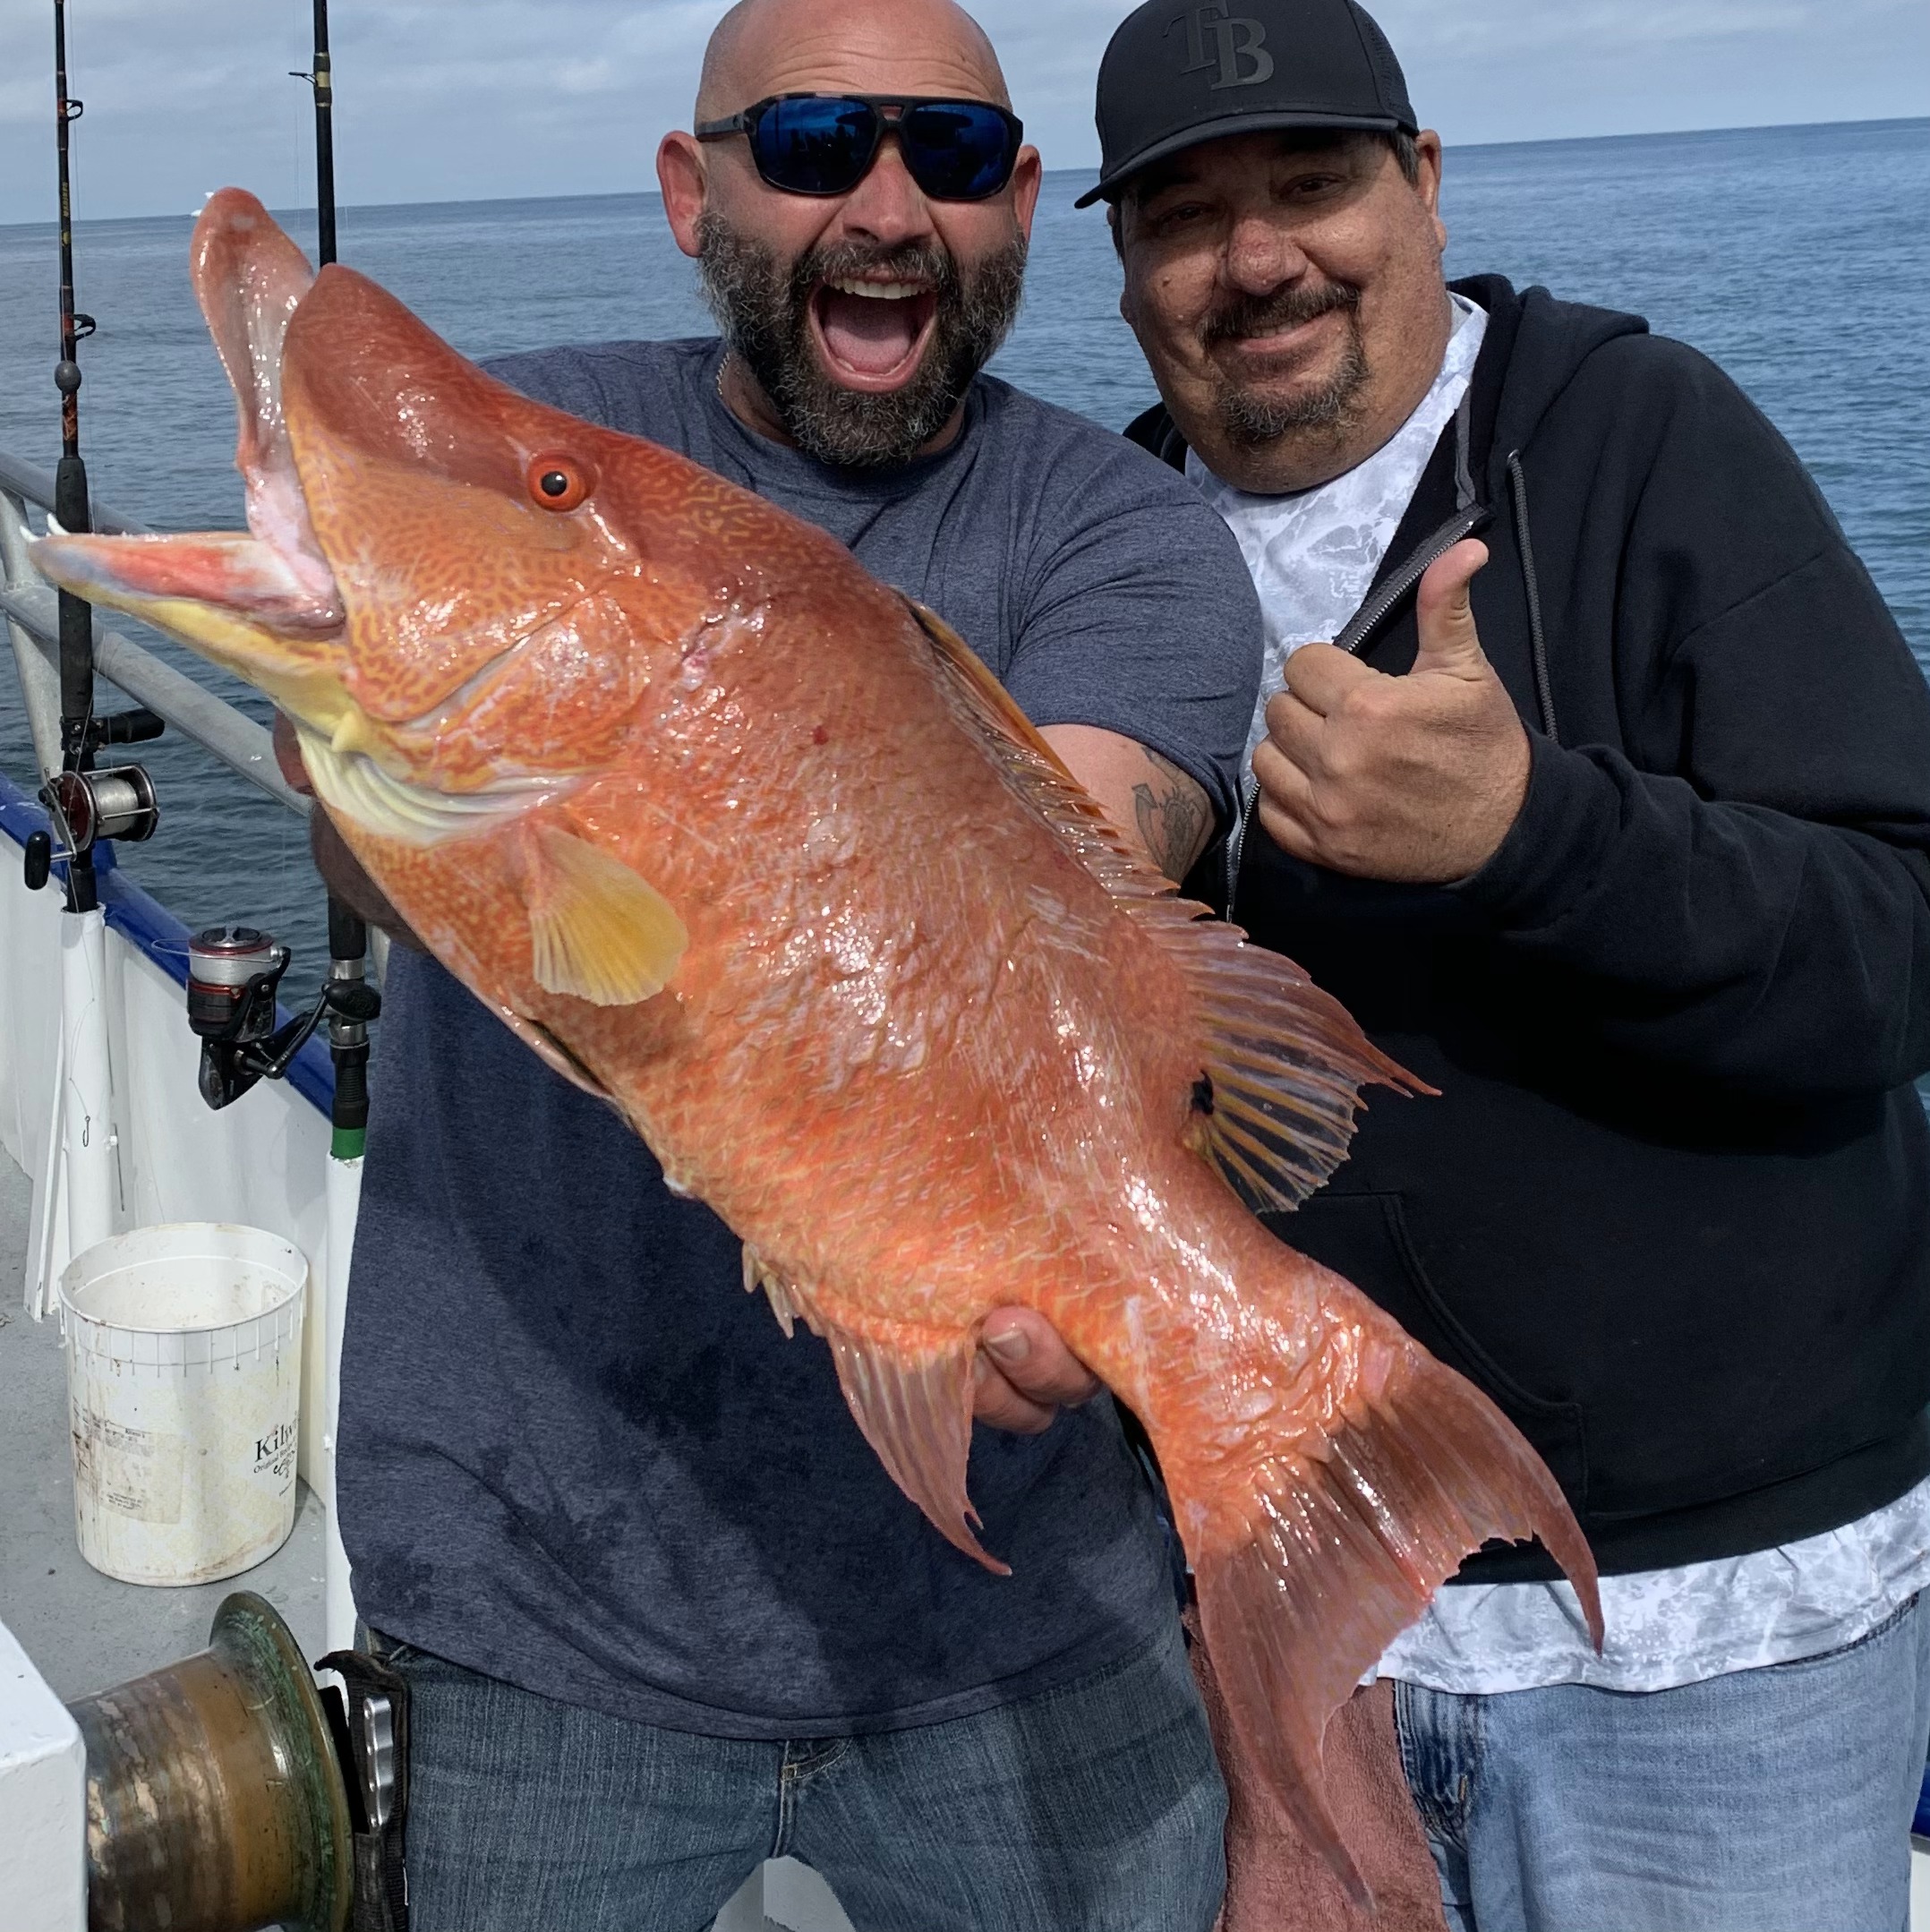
x=872 y=331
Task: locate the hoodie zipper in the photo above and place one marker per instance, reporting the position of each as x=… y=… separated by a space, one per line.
x=1361 y=627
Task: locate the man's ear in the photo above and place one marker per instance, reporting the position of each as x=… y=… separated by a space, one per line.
x=1128 y=307
x=680 y=174
x=1026 y=178
x=1428 y=154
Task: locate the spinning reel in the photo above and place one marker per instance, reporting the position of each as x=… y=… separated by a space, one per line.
x=233 y=975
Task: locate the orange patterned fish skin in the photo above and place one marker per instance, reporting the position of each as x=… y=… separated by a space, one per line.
x=933 y=1045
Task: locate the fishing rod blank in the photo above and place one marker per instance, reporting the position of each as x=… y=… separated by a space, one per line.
x=70 y=484
x=83 y=805
x=320 y=78
x=348 y=936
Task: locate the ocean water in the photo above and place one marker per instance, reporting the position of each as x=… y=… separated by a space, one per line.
x=1799 y=258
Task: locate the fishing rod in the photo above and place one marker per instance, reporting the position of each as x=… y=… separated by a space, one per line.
x=348 y=937
x=234 y=971
x=320 y=78
x=69 y=491
x=83 y=806
x=70 y=475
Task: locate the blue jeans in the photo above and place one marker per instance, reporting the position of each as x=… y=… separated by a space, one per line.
x=1768 y=1800
x=1094 y=1808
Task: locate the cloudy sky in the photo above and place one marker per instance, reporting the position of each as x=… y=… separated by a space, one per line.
x=455 y=99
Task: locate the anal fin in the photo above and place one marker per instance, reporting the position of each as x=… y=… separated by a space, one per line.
x=909 y=1388
x=911 y=1394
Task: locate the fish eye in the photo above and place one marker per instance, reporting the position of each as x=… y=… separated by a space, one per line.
x=558 y=483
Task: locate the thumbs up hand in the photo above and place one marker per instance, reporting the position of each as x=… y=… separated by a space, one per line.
x=1415 y=779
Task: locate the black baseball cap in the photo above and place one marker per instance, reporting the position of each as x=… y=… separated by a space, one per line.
x=1170 y=80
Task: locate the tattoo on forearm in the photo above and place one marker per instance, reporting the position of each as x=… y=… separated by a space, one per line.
x=1172 y=816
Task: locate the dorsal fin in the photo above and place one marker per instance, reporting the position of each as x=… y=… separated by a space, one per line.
x=1283 y=1062
x=1034 y=770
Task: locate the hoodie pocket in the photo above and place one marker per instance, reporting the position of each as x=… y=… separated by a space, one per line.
x=1364 y=1238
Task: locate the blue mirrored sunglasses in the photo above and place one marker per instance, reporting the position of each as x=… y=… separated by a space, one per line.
x=956 y=150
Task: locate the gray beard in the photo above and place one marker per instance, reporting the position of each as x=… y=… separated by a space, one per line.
x=764 y=312
x=1251 y=422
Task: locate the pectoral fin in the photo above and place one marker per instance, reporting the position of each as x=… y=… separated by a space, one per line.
x=598 y=930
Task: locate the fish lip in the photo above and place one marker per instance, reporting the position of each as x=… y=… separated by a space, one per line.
x=249 y=280
x=881 y=383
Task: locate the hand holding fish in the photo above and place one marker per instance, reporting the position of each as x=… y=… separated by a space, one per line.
x=1416 y=778
x=1023 y=1374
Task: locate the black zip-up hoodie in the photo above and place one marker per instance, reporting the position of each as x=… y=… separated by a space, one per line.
x=1673 y=1208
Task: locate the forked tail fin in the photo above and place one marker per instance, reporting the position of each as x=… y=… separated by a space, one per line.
x=1336 y=1546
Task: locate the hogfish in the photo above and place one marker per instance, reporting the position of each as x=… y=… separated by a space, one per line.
x=752 y=846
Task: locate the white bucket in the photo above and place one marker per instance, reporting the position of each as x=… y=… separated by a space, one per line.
x=183 y=1382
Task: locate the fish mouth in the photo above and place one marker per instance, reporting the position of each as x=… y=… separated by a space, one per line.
x=363 y=438
x=871 y=330
x=264 y=604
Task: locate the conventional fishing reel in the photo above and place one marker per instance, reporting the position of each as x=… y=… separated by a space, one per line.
x=84 y=806
x=234 y=974
x=229 y=1793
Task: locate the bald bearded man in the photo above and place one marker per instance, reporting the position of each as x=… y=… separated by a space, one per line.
x=663 y=1612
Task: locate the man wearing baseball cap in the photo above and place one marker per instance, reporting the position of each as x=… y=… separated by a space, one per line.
x=1593 y=774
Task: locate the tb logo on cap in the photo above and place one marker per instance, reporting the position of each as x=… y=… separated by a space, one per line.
x=1239 y=45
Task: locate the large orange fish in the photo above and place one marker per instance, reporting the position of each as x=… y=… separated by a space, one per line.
x=742 y=840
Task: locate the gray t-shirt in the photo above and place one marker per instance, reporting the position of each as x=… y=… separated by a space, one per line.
x=575 y=1453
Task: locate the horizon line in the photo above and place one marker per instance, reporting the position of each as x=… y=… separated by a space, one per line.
x=631 y=195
